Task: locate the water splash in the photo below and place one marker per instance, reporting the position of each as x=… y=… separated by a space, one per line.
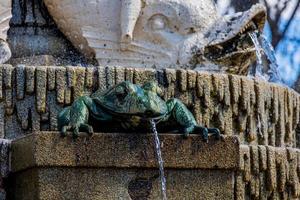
x=160 y=161
x=266 y=67
x=273 y=64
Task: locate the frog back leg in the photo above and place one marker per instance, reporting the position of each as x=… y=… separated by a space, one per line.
x=63 y=118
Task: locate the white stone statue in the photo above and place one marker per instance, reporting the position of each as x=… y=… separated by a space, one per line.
x=5 y=16
x=164 y=33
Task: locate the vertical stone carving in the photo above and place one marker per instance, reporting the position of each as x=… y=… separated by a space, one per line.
x=30 y=13
x=61 y=84
x=129 y=15
x=41 y=87
x=274 y=173
x=20 y=81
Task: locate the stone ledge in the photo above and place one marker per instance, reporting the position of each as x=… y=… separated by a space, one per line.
x=48 y=149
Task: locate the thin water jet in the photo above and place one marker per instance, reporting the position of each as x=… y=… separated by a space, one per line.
x=266 y=66
x=270 y=55
x=160 y=161
x=259 y=63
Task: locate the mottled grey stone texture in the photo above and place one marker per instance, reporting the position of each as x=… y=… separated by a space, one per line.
x=4 y=158
x=4 y=165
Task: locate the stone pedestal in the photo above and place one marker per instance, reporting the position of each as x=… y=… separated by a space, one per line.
x=122 y=166
x=263 y=116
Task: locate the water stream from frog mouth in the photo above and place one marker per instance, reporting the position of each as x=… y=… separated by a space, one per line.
x=266 y=65
x=160 y=161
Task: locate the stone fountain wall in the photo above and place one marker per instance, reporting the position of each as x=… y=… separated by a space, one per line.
x=268 y=172
x=259 y=113
x=264 y=116
x=32 y=30
x=33 y=34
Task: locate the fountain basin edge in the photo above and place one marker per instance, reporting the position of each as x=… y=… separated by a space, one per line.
x=49 y=149
x=112 y=166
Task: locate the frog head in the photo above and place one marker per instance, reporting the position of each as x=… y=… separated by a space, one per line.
x=126 y=98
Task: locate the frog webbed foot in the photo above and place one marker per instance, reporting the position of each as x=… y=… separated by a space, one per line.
x=215 y=132
x=206 y=132
x=187 y=131
x=76 y=128
x=196 y=130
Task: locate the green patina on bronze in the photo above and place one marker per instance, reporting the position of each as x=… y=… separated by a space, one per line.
x=130 y=106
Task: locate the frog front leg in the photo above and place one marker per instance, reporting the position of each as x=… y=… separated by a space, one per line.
x=75 y=117
x=187 y=121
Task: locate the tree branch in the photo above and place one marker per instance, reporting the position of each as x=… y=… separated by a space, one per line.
x=289 y=21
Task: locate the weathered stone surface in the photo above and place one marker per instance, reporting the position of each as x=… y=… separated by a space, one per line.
x=5 y=15
x=142 y=34
x=4 y=158
x=51 y=78
x=20 y=81
x=61 y=84
x=33 y=34
x=41 y=89
x=8 y=77
x=125 y=183
x=122 y=165
x=37 y=60
x=4 y=165
x=112 y=166
x=90 y=75
x=275 y=177
x=30 y=79
x=48 y=149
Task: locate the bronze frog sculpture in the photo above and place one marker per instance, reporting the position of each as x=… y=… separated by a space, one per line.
x=130 y=105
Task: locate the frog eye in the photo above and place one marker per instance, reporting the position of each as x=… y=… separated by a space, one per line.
x=121 y=93
x=153 y=87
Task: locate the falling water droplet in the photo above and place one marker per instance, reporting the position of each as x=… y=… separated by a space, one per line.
x=270 y=54
x=160 y=161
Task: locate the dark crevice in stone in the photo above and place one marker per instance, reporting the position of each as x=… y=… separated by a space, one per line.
x=140 y=189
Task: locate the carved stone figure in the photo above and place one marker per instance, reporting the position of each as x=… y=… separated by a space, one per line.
x=143 y=33
x=5 y=16
x=131 y=107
